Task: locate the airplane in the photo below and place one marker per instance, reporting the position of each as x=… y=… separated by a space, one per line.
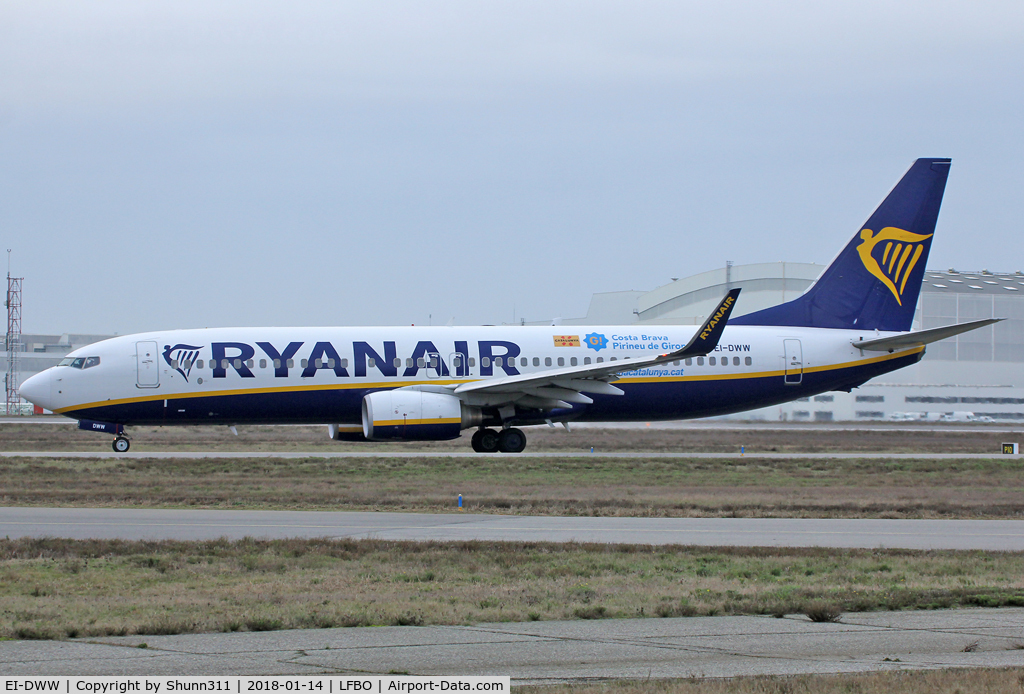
x=432 y=383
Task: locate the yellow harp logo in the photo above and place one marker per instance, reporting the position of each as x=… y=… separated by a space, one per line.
x=900 y=251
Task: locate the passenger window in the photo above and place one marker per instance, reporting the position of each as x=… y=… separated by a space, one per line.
x=547 y=361
x=613 y=359
x=408 y=363
x=586 y=360
x=675 y=363
x=317 y=364
x=712 y=361
x=277 y=363
x=91 y=362
x=344 y=363
x=457 y=361
x=397 y=362
x=523 y=361
x=561 y=361
x=735 y=361
x=573 y=362
x=188 y=364
x=330 y=363
x=199 y=364
x=263 y=363
x=238 y=363
x=689 y=361
x=472 y=362
x=725 y=361
x=700 y=361
x=435 y=361
x=421 y=362
x=371 y=362
x=536 y=361
x=302 y=363
x=497 y=361
x=291 y=363
x=224 y=363
x=485 y=362
x=748 y=361
x=249 y=363
x=600 y=360
x=174 y=363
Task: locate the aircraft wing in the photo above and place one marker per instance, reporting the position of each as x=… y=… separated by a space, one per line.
x=921 y=337
x=557 y=388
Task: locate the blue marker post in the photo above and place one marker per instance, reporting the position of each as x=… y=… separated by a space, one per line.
x=741 y=451
x=460 y=501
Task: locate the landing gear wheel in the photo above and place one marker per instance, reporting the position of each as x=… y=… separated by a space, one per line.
x=121 y=445
x=511 y=441
x=485 y=441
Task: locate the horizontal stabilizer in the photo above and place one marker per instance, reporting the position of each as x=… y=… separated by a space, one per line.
x=921 y=337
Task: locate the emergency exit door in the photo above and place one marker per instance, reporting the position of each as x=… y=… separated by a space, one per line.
x=794 y=362
x=148 y=368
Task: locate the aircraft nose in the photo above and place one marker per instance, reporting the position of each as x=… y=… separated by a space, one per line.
x=37 y=389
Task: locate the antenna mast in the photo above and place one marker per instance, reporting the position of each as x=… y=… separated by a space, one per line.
x=13 y=305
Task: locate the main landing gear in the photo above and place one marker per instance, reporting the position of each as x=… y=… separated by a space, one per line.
x=509 y=440
x=121 y=445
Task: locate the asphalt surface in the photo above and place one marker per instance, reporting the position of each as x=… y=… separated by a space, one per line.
x=178 y=524
x=539 y=652
x=386 y=453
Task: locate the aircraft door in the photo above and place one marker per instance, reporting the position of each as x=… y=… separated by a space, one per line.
x=457 y=365
x=434 y=365
x=148 y=368
x=794 y=362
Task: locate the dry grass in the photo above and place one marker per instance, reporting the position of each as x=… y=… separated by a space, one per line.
x=584 y=485
x=960 y=681
x=53 y=588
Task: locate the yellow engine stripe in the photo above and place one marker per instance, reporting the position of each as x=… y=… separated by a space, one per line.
x=416 y=422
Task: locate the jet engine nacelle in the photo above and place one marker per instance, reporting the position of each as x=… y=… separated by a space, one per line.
x=415 y=415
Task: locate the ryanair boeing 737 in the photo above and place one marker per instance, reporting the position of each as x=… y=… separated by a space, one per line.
x=430 y=383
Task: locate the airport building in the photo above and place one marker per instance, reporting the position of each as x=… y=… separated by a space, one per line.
x=979 y=374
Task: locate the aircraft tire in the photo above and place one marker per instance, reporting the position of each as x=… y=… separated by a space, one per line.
x=121 y=445
x=511 y=441
x=486 y=441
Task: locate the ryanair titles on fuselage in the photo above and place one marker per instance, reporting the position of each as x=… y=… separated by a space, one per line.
x=488 y=357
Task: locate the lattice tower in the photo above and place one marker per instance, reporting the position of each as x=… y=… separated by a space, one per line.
x=13 y=343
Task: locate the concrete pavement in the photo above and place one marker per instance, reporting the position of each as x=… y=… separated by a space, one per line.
x=559 y=651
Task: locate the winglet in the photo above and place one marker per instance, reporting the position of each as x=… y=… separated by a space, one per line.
x=706 y=339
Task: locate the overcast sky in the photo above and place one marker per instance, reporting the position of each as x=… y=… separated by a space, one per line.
x=190 y=164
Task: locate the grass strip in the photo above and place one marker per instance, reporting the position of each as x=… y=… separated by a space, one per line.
x=961 y=681
x=691 y=487
x=55 y=588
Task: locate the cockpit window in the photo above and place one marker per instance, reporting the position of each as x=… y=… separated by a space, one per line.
x=80 y=362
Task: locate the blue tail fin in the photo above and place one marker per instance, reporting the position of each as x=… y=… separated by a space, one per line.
x=874 y=282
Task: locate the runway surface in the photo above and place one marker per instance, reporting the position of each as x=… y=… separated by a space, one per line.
x=539 y=652
x=392 y=453
x=176 y=524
